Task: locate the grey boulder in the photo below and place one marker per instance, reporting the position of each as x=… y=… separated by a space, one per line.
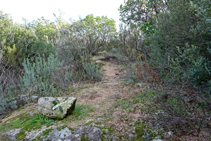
x=57 y=108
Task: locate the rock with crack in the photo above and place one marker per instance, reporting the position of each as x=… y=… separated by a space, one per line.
x=57 y=108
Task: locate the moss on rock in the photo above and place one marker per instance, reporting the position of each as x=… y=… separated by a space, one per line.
x=84 y=138
x=20 y=136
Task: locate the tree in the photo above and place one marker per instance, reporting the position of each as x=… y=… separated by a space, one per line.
x=44 y=29
x=16 y=40
x=141 y=11
x=97 y=32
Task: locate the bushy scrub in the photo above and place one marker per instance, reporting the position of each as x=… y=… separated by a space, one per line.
x=40 y=47
x=92 y=71
x=176 y=37
x=193 y=65
x=8 y=89
x=45 y=76
x=6 y=102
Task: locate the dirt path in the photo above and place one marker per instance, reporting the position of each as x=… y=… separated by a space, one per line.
x=102 y=95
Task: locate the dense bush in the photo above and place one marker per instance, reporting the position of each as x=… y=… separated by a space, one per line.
x=92 y=71
x=45 y=76
x=178 y=32
x=177 y=37
x=193 y=66
x=40 y=47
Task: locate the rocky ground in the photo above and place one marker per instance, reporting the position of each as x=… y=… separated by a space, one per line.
x=111 y=109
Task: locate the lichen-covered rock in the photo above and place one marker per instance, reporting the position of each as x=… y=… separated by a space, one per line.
x=57 y=108
x=56 y=135
x=93 y=133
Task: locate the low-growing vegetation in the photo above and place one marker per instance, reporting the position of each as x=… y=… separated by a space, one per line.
x=26 y=122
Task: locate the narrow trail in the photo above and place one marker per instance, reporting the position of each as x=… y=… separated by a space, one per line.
x=103 y=95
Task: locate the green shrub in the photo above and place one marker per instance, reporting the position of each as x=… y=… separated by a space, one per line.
x=3 y=102
x=40 y=47
x=45 y=76
x=7 y=98
x=92 y=71
x=193 y=65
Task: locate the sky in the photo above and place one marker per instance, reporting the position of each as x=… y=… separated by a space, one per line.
x=33 y=9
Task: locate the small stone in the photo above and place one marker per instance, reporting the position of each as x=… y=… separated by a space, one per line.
x=106 y=131
x=170 y=133
x=115 y=96
x=134 y=106
x=131 y=135
x=105 y=136
x=158 y=138
x=111 y=137
x=90 y=120
x=102 y=125
x=34 y=97
x=139 y=84
x=99 y=120
x=86 y=95
x=167 y=136
x=76 y=135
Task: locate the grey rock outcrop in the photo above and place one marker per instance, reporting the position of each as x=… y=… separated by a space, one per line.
x=92 y=133
x=56 y=135
x=10 y=135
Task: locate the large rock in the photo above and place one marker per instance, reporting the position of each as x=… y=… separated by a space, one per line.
x=57 y=108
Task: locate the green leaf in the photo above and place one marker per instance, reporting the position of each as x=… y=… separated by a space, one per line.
x=60 y=108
